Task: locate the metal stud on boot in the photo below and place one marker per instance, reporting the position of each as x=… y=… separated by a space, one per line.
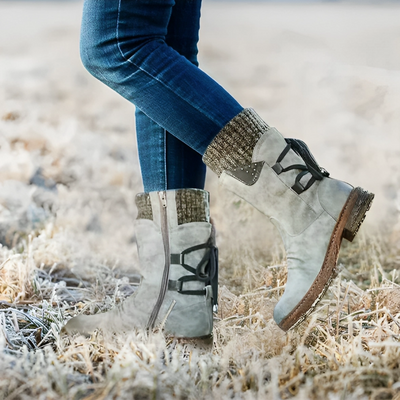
x=312 y=212
x=177 y=253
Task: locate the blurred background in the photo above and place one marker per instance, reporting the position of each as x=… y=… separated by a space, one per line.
x=327 y=72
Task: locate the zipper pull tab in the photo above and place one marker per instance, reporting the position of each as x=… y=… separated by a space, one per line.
x=163 y=198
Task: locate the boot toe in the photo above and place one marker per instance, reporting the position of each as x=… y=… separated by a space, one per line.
x=80 y=324
x=280 y=312
x=288 y=302
x=87 y=324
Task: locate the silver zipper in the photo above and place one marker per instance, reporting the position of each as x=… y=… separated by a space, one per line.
x=164 y=283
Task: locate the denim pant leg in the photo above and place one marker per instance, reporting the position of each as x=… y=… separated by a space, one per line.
x=166 y=162
x=124 y=45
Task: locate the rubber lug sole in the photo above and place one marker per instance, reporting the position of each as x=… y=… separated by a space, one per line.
x=348 y=223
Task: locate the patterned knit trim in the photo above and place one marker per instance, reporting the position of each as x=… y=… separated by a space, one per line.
x=192 y=205
x=143 y=204
x=234 y=144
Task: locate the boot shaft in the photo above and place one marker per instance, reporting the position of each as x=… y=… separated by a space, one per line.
x=177 y=255
x=293 y=190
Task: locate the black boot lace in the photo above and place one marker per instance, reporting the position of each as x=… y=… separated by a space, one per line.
x=206 y=271
x=312 y=167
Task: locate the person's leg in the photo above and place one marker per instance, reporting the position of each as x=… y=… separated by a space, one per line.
x=124 y=45
x=174 y=235
x=278 y=176
x=166 y=162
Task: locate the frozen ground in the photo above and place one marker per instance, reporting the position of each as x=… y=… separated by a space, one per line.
x=328 y=74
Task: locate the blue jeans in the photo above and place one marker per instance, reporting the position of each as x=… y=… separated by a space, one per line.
x=146 y=50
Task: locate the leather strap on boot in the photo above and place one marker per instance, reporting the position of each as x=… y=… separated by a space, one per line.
x=206 y=271
x=312 y=167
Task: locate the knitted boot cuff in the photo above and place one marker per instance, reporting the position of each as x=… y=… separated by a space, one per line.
x=234 y=144
x=143 y=204
x=192 y=205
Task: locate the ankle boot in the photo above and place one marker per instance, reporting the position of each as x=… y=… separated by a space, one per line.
x=178 y=257
x=311 y=211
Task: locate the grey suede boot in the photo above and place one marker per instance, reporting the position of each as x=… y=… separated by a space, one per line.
x=177 y=253
x=311 y=211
